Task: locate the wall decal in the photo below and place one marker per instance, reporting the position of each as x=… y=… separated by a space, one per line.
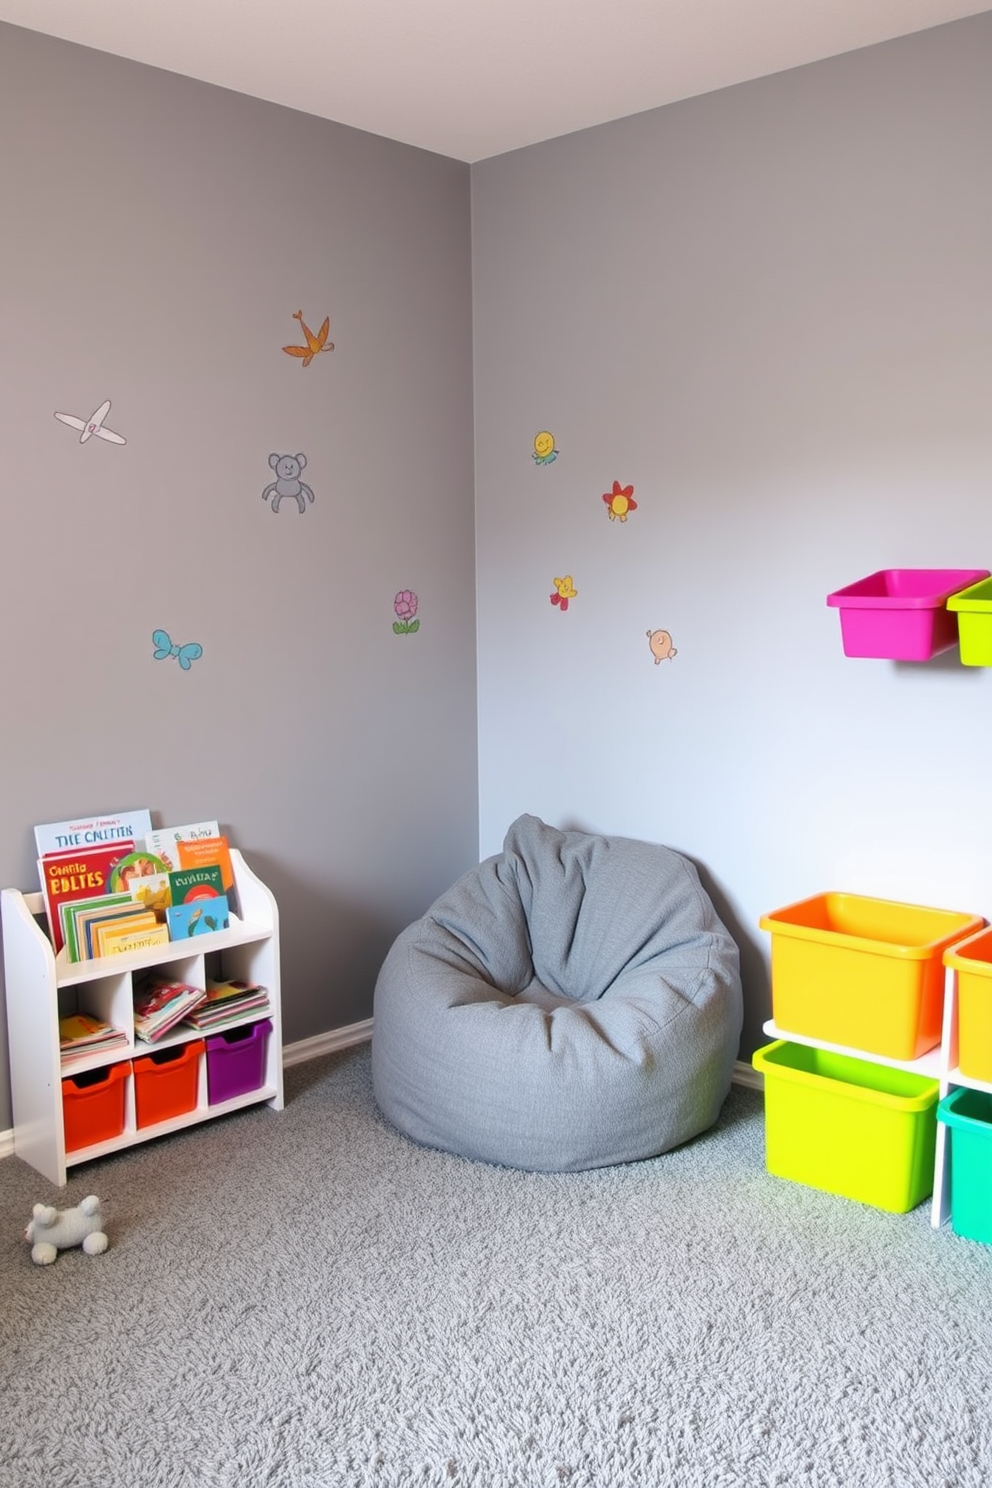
x=544 y=451
x=288 y=468
x=662 y=649
x=92 y=425
x=185 y=655
x=619 y=502
x=405 y=604
x=564 y=591
x=314 y=344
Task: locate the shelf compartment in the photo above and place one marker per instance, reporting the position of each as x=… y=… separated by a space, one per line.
x=974 y=611
x=967 y=1114
x=863 y=973
x=901 y=614
x=848 y=1126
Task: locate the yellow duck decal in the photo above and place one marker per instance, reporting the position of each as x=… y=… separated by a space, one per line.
x=564 y=591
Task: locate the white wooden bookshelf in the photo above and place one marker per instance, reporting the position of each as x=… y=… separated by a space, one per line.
x=41 y=987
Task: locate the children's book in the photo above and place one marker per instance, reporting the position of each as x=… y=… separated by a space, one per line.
x=76 y=1029
x=84 y=873
x=72 y=914
x=152 y=891
x=186 y=884
x=160 y=1004
x=119 y=940
x=202 y=851
x=94 y=831
x=198 y=917
x=222 y=989
x=80 y=1035
x=226 y=1001
x=162 y=842
x=132 y=867
x=110 y=937
x=86 y=920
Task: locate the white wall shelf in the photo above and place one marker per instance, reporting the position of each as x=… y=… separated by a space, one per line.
x=41 y=987
x=928 y=1064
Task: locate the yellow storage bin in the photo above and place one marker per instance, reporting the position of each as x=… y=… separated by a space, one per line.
x=974 y=611
x=849 y=1127
x=971 y=959
x=865 y=973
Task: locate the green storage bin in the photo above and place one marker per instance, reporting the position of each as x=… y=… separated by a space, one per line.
x=848 y=1126
x=974 y=611
x=968 y=1116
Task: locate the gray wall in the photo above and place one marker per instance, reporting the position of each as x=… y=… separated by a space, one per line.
x=768 y=310
x=158 y=235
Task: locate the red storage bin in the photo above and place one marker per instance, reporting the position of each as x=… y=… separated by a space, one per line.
x=165 y=1082
x=93 y=1105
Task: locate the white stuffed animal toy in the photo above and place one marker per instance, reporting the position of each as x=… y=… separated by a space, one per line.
x=52 y=1230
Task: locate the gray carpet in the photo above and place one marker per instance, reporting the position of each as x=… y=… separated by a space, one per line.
x=306 y=1300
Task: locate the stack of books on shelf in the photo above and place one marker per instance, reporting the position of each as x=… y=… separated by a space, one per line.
x=81 y=1035
x=160 y=1004
x=113 y=884
x=226 y=1001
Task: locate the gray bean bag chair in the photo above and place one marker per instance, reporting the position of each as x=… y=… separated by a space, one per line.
x=570 y=1003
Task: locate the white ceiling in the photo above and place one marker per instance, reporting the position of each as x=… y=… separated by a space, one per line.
x=473 y=78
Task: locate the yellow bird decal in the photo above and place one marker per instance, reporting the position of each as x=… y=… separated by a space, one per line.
x=315 y=343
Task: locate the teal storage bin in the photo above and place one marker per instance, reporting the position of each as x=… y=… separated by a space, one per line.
x=967 y=1114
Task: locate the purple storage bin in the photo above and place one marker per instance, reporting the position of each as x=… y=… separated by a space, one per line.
x=236 y=1061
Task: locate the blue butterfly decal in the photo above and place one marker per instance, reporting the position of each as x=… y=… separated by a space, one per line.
x=185 y=655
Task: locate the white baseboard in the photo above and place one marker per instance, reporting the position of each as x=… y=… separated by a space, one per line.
x=360 y=1033
x=745 y=1074
x=326 y=1043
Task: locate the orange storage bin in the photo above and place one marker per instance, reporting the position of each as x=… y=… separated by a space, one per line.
x=166 y=1082
x=971 y=959
x=93 y=1105
x=863 y=973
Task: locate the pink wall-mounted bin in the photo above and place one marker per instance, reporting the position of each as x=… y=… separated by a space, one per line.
x=901 y=614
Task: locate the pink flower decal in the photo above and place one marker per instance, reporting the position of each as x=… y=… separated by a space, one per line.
x=405 y=605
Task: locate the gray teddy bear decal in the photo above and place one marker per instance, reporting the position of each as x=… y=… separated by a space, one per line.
x=288 y=469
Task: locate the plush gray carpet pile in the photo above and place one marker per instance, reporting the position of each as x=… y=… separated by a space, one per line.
x=306 y=1300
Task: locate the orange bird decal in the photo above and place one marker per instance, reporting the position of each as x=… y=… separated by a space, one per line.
x=314 y=343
